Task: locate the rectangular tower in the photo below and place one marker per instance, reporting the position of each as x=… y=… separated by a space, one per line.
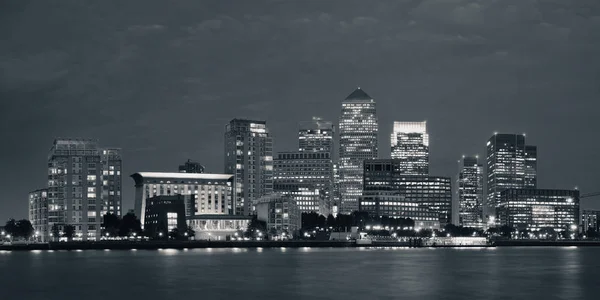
x=470 y=192
x=507 y=167
x=38 y=214
x=111 y=181
x=316 y=136
x=410 y=145
x=75 y=187
x=358 y=141
x=249 y=156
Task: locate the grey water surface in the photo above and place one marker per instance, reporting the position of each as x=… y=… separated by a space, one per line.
x=305 y=273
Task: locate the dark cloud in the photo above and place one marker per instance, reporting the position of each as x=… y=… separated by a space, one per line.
x=161 y=79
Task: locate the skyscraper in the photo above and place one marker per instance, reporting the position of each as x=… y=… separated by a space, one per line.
x=358 y=141
x=84 y=181
x=507 y=167
x=249 y=156
x=410 y=145
x=316 y=136
x=470 y=192
x=191 y=167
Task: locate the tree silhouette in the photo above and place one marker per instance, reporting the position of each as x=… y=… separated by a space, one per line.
x=24 y=229
x=69 y=232
x=55 y=231
x=110 y=224
x=129 y=225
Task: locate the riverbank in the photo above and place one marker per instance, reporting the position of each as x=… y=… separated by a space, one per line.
x=154 y=245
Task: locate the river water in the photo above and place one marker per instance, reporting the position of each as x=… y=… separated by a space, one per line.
x=305 y=273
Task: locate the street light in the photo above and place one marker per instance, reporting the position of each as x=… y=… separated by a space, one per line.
x=160 y=234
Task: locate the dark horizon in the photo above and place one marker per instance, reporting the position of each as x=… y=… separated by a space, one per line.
x=161 y=80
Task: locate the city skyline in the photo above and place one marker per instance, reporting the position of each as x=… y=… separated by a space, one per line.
x=124 y=94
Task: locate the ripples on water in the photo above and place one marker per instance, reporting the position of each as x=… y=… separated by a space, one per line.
x=303 y=273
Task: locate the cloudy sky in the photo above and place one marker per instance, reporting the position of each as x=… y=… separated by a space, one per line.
x=161 y=78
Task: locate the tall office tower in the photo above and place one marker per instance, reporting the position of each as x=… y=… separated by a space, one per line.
x=316 y=136
x=38 y=214
x=530 y=167
x=358 y=141
x=589 y=221
x=204 y=194
x=77 y=186
x=410 y=144
x=191 y=167
x=307 y=177
x=249 y=156
x=111 y=181
x=470 y=192
x=506 y=168
x=432 y=192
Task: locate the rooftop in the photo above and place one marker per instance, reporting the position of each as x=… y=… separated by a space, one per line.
x=358 y=94
x=174 y=175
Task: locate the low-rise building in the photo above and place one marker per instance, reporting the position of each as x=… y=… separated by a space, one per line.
x=280 y=212
x=211 y=193
x=589 y=220
x=534 y=209
x=164 y=214
x=218 y=227
x=392 y=204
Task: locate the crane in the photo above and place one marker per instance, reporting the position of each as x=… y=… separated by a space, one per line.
x=588 y=195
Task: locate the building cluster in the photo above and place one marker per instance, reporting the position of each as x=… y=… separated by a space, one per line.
x=84 y=182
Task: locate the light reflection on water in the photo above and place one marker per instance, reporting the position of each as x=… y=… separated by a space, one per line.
x=304 y=273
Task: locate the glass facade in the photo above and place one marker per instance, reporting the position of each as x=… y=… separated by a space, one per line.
x=410 y=145
x=393 y=204
x=534 y=209
x=358 y=129
x=508 y=166
x=432 y=192
x=249 y=156
x=307 y=177
x=470 y=192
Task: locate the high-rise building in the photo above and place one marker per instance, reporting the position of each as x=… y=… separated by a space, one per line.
x=470 y=192
x=358 y=141
x=530 y=167
x=38 y=214
x=433 y=192
x=316 y=136
x=507 y=168
x=589 y=220
x=410 y=145
x=307 y=177
x=191 y=167
x=79 y=192
x=111 y=181
x=249 y=156
x=205 y=194
x=534 y=209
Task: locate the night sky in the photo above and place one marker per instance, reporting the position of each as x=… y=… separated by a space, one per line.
x=160 y=79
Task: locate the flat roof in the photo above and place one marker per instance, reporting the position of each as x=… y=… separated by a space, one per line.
x=177 y=175
x=218 y=217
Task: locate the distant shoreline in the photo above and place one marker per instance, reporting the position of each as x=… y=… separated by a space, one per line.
x=155 y=245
